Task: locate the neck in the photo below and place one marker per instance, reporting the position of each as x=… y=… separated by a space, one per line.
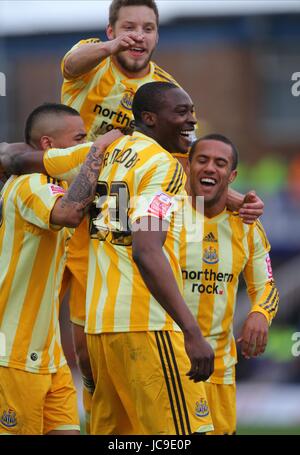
x=211 y=208
x=145 y=130
x=131 y=74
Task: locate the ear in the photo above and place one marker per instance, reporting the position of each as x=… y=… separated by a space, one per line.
x=109 y=32
x=188 y=168
x=232 y=176
x=46 y=142
x=157 y=38
x=149 y=118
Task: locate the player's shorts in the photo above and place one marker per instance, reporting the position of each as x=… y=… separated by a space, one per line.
x=142 y=387
x=222 y=402
x=32 y=403
x=75 y=274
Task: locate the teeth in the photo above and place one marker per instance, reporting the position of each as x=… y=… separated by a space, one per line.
x=187 y=133
x=208 y=180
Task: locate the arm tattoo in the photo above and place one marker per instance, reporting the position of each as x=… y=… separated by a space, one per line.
x=82 y=191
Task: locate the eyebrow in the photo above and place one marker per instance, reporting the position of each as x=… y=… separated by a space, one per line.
x=216 y=158
x=133 y=23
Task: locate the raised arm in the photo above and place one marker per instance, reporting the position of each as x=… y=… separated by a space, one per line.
x=20 y=158
x=71 y=208
x=153 y=265
x=87 y=56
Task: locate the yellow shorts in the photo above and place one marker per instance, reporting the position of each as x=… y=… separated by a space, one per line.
x=32 y=403
x=142 y=387
x=222 y=402
x=75 y=274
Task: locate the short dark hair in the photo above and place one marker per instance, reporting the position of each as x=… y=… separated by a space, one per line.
x=220 y=138
x=45 y=109
x=149 y=97
x=116 y=5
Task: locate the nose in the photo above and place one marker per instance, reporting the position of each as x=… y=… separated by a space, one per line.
x=141 y=34
x=191 y=118
x=210 y=167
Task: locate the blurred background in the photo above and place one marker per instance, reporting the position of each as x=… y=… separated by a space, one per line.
x=240 y=62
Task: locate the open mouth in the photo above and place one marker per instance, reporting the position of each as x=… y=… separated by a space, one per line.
x=189 y=135
x=208 y=181
x=137 y=51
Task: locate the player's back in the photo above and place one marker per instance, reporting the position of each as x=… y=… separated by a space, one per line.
x=138 y=179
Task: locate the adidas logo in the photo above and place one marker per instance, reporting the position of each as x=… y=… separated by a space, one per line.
x=210 y=238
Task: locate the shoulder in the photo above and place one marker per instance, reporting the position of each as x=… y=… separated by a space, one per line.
x=161 y=75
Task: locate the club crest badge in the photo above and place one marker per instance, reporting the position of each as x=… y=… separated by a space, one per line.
x=210 y=256
x=201 y=409
x=9 y=418
x=127 y=100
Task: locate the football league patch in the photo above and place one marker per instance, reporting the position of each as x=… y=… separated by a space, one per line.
x=55 y=189
x=269 y=267
x=160 y=205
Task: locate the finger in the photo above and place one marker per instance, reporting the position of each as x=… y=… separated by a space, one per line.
x=247 y=344
x=197 y=373
x=127 y=41
x=264 y=342
x=258 y=345
x=249 y=220
x=251 y=208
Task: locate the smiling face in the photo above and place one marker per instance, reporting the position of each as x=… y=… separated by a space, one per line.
x=174 y=123
x=141 y=20
x=210 y=173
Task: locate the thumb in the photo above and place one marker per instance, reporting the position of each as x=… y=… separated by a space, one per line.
x=250 y=196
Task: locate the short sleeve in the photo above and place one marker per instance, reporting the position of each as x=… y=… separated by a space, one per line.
x=160 y=190
x=65 y=164
x=35 y=199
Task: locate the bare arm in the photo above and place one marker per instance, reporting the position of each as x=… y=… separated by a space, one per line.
x=153 y=265
x=20 y=158
x=87 y=56
x=70 y=209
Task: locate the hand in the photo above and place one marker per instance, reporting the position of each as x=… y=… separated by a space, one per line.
x=254 y=335
x=104 y=141
x=201 y=356
x=3 y=153
x=252 y=208
x=124 y=42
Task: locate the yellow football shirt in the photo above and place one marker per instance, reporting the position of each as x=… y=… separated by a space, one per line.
x=104 y=95
x=211 y=267
x=139 y=178
x=32 y=259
